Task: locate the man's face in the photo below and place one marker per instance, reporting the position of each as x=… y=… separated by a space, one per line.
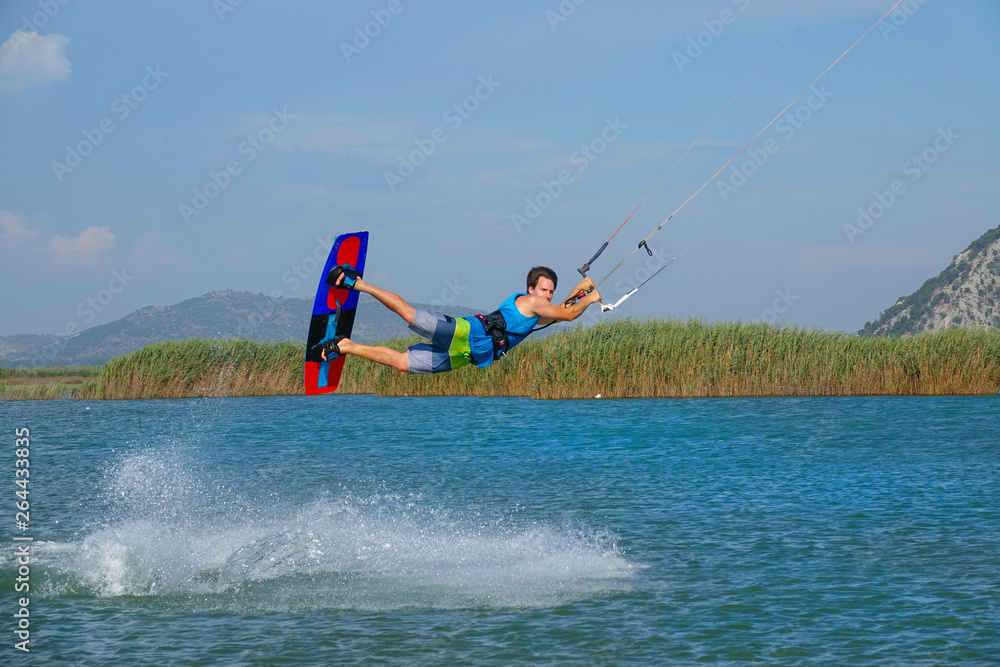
x=545 y=288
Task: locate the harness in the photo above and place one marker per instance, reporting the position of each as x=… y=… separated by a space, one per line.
x=496 y=328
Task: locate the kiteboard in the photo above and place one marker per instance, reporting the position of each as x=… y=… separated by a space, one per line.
x=333 y=313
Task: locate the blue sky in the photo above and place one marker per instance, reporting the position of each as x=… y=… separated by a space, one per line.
x=153 y=152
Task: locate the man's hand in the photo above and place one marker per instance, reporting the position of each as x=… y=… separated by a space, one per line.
x=584 y=285
x=582 y=296
x=580 y=291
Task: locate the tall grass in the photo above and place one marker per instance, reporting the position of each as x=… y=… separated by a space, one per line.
x=49 y=372
x=620 y=359
x=192 y=368
x=45 y=382
x=630 y=359
x=34 y=392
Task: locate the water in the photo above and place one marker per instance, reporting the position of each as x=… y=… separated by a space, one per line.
x=342 y=530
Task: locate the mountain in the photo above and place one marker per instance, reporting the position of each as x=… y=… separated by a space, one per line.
x=966 y=294
x=15 y=346
x=219 y=314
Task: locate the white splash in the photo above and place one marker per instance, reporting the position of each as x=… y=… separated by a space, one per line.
x=174 y=540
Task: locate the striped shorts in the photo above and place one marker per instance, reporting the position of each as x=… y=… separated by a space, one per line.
x=449 y=343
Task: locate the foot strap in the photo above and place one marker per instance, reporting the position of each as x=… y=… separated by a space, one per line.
x=329 y=346
x=349 y=273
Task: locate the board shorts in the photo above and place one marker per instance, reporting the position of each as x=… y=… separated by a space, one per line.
x=449 y=343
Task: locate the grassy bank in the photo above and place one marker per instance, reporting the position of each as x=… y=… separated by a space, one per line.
x=620 y=359
x=195 y=368
x=45 y=382
x=629 y=359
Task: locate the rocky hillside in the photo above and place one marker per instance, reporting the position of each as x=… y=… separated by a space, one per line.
x=220 y=314
x=966 y=294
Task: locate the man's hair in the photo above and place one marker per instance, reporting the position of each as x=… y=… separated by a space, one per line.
x=540 y=271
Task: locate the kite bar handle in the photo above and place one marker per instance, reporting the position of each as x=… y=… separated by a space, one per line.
x=576 y=297
x=586 y=267
x=606 y=308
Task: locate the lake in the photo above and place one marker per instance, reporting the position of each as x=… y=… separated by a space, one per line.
x=357 y=529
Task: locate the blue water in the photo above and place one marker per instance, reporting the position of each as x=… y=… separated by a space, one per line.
x=343 y=530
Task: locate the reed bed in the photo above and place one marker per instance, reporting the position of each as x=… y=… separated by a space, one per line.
x=36 y=392
x=35 y=372
x=673 y=358
x=198 y=368
x=620 y=359
x=45 y=382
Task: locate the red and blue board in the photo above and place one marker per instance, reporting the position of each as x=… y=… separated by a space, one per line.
x=333 y=313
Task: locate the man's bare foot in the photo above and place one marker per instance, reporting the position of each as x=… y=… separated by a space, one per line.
x=343 y=273
x=339 y=346
x=359 y=284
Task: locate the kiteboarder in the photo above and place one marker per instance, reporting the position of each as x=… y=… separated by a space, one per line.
x=457 y=341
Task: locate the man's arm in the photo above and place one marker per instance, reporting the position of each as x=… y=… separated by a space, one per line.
x=581 y=286
x=549 y=312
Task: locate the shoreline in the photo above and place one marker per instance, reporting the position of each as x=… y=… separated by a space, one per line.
x=621 y=359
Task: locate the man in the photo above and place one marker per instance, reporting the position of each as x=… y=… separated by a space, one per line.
x=455 y=342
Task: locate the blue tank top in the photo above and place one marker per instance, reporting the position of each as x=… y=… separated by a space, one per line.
x=518 y=328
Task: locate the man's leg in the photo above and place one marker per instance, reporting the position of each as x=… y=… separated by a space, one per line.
x=431 y=359
x=448 y=350
x=392 y=301
x=380 y=355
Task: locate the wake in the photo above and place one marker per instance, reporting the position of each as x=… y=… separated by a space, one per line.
x=172 y=543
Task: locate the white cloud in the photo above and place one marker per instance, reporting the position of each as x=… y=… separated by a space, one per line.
x=30 y=58
x=13 y=228
x=88 y=248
